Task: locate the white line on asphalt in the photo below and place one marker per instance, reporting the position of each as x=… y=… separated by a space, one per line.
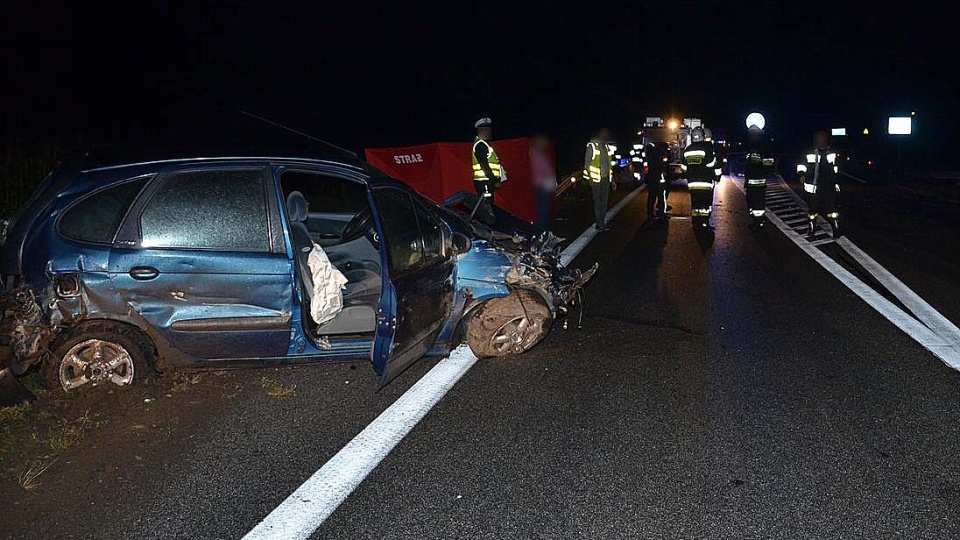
x=307 y=507
x=916 y=330
x=923 y=311
x=581 y=242
x=300 y=514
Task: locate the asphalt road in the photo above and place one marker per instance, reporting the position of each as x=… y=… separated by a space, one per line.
x=722 y=387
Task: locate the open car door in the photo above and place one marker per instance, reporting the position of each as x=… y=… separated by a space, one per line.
x=417 y=281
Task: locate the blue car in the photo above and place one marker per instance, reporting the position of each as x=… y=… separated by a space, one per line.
x=111 y=273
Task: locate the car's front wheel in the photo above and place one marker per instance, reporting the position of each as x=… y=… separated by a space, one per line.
x=509 y=325
x=94 y=354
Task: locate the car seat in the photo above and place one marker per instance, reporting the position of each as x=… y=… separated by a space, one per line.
x=363 y=286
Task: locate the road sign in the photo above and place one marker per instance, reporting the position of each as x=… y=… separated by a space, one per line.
x=900 y=125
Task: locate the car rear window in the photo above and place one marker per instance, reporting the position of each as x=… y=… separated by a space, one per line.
x=209 y=209
x=95 y=219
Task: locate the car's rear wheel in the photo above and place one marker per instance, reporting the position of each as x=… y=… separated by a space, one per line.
x=509 y=325
x=96 y=354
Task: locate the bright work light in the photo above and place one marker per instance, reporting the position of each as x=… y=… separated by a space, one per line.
x=756 y=119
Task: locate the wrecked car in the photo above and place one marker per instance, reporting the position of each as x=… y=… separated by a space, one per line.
x=110 y=273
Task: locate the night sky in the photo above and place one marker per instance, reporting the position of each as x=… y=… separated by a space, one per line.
x=362 y=74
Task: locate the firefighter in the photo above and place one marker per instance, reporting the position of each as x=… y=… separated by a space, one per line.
x=698 y=164
x=636 y=161
x=598 y=169
x=655 y=163
x=488 y=173
x=758 y=166
x=718 y=168
x=818 y=170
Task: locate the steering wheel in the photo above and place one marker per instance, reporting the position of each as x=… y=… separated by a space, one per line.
x=360 y=225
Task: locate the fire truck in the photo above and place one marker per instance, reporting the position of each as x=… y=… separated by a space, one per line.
x=675 y=134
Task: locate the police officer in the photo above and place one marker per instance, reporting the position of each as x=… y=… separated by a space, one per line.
x=818 y=170
x=598 y=169
x=655 y=162
x=758 y=166
x=698 y=165
x=488 y=173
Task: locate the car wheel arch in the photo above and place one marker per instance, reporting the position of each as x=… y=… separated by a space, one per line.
x=128 y=336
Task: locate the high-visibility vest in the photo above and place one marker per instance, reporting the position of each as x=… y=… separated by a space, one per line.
x=493 y=160
x=593 y=171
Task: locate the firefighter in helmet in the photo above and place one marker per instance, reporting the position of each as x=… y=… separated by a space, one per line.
x=759 y=164
x=718 y=168
x=818 y=170
x=698 y=166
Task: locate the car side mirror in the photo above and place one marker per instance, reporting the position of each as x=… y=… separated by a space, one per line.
x=459 y=243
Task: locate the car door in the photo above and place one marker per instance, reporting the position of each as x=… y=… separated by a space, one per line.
x=417 y=284
x=201 y=258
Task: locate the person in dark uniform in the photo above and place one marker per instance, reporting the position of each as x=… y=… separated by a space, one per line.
x=698 y=165
x=488 y=173
x=655 y=161
x=757 y=168
x=717 y=152
x=819 y=170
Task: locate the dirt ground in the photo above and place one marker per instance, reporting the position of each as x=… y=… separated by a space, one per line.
x=110 y=430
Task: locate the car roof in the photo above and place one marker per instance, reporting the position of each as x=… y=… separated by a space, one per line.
x=94 y=178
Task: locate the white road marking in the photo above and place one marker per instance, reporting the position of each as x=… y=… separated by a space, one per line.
x=924 y=329
x=940 y=347
x=310 y=505
x=588 y=235
x=302 y=513
x=917 y=305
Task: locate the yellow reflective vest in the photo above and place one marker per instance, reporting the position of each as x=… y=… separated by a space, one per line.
x=493 y=160
x=593 y=169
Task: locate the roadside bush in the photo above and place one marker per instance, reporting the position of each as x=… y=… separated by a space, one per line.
x=23 y=165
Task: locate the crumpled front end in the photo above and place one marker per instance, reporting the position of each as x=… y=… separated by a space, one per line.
x=509 y=262
x=537 y=265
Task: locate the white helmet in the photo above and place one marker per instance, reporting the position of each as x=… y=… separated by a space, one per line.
x=707 y=134
x=697 y=134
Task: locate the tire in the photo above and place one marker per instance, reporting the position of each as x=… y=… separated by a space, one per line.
x=79 y=358
x=509 y=325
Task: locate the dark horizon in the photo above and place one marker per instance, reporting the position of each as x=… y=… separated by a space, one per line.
x=362 y=76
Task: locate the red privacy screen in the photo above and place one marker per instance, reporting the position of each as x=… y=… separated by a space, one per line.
x=439 y=170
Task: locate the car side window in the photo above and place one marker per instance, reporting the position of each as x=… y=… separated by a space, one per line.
x=209 y=209
x=400 y=231
x=95 y=219
x=431 y=232
x=325 y=193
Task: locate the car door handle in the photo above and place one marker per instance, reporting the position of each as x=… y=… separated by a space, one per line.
x=144 y=273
